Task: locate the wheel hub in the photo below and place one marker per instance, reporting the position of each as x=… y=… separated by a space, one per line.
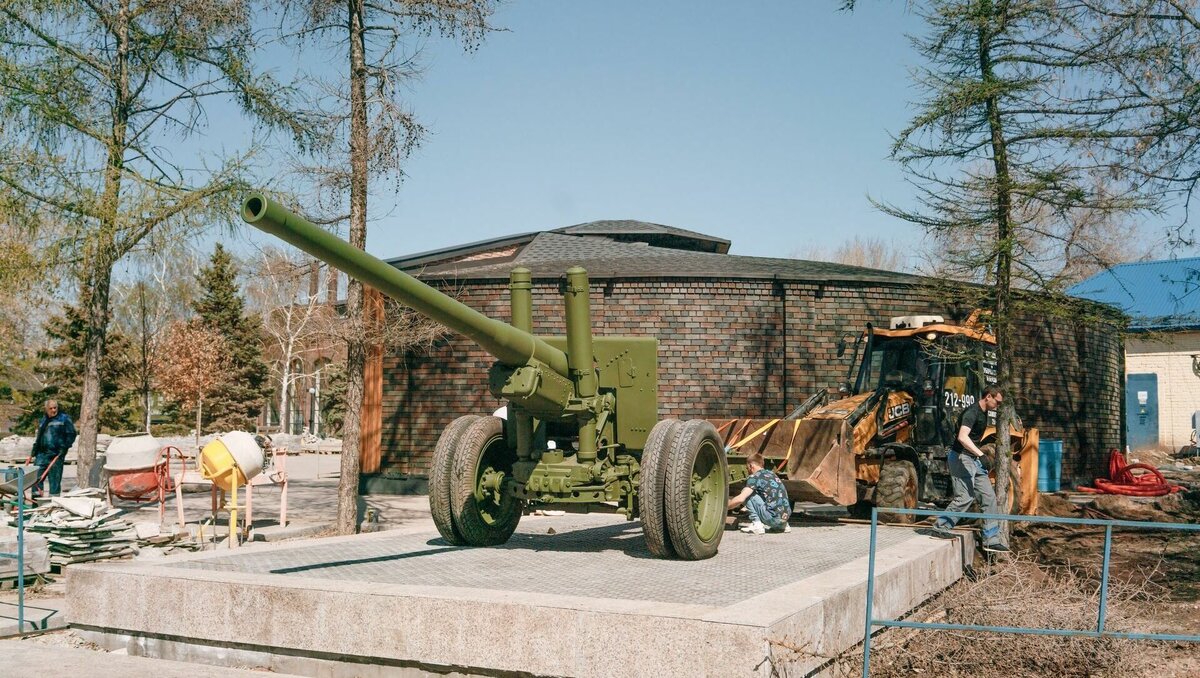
x=491 y=482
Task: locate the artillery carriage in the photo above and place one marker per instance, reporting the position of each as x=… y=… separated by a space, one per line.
x=596 y=395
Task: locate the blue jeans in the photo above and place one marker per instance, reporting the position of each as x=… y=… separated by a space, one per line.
x=50 y=469
x=971 y=484
x=758 y=512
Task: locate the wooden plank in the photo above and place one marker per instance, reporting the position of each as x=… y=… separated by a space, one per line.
x=371 y=433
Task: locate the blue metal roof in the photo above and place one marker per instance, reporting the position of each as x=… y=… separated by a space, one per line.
x=1157 y=295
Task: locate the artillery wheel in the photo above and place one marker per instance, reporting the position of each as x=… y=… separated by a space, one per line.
x=696 y=490
x=440 y=473
x=651 y=483
x=897 y=488
x=480 y=455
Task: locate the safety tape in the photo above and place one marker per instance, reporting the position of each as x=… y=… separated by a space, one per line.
x=754 y=435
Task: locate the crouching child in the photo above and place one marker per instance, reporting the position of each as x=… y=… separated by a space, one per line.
x=766 y=499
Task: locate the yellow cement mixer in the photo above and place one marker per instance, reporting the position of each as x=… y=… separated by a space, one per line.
x=230 y=462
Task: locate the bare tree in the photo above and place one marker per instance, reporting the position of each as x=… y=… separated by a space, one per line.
x=865 y=251
x=296 y=319
x=160 y=292
x=368 y=134
x=190 y=365
x=96 y=96
x=1054 y=253
x=1150 y=81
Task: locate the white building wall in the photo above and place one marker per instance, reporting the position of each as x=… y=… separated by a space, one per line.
x=1174 y=358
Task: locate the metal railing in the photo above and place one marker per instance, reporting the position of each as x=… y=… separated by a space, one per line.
x=1099 y=632
x=19 y=556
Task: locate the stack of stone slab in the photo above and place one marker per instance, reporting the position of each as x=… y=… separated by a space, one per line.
x=82 y=529
x=15 y=449
x=37 y=554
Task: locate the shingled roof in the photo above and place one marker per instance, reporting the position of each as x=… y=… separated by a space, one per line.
x=624 y=230
x=625 y=249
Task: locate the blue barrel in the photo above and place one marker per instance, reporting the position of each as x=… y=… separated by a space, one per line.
x=1049 y=464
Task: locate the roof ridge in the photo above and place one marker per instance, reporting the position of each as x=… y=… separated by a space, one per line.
x=1155 y=262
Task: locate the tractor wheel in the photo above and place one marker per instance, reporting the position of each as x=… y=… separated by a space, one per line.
x=481 y=456
x=652 y=481
x=696 y=490
x=897 y=488
x=440 y=473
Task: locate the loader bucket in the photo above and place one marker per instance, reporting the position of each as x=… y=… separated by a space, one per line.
x=812 y=456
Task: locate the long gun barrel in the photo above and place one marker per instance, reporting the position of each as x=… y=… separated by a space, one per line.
x=595 y=397
x=509 y=345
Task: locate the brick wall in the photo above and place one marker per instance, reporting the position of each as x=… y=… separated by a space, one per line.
x=723 y=352
x=1070 y=385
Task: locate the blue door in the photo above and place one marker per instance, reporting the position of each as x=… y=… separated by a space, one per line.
x=1141 y=411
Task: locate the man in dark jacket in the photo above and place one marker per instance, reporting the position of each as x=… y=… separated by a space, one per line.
x=55 y=434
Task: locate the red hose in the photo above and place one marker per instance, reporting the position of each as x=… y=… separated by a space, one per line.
x=1122 y=481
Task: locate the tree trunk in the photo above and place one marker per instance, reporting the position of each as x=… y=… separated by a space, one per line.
x=95 y=300
x=199 y=421
x=102 y=255
x=347 y=513
x=283 y=398
x=1002 y=314
x=316 y=404
x=145 y=353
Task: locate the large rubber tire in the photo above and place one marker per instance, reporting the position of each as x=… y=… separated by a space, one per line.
x=696 y=490
x=897 y=488
x=478 y=518
x=440 y=473
x=651 y=485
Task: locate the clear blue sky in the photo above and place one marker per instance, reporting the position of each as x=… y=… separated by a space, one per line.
x=765 y=123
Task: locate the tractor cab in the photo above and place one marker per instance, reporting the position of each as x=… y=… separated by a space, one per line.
x=939 y=369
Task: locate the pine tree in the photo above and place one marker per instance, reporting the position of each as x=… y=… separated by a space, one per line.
x=1025 y=145
x=237 y=403
x=61 y=365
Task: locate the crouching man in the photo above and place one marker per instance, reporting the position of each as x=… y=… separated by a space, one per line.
x=766 y=499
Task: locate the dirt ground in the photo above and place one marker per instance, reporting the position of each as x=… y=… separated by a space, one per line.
x=1053 y=581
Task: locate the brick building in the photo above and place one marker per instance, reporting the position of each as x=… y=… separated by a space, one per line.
x=738 y=336
x=1162 y=353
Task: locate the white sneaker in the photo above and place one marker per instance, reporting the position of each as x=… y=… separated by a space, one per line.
x=754 y=528
x=786 y=528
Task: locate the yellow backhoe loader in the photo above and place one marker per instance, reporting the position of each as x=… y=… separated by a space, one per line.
x=880 y=438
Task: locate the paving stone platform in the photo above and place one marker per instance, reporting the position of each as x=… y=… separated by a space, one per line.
x=566 y=596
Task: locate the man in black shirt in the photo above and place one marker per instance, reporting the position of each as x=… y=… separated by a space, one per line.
x=968 y=473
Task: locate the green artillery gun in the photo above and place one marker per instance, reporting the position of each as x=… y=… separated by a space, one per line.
x=596 y=396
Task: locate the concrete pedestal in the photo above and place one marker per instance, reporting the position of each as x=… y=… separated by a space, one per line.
x=567 y=596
